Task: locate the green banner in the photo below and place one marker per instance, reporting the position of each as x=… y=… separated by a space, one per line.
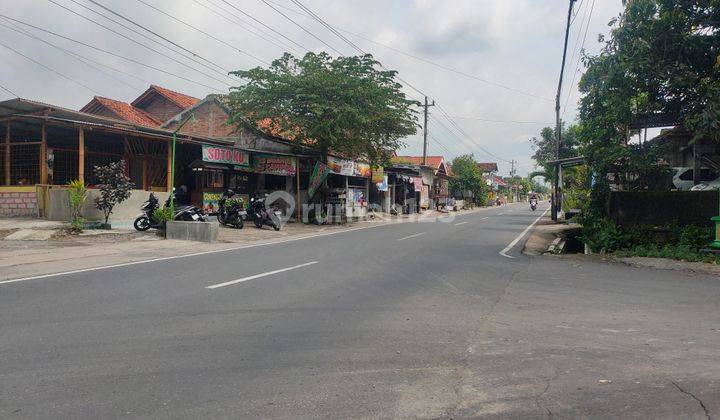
x=320 y=172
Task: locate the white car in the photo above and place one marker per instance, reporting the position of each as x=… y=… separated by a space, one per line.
x=683 y=178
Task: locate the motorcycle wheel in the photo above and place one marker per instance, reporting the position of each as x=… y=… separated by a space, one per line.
x=258 y=223
x=239 y=223
x=142 y=223
x=276 y=226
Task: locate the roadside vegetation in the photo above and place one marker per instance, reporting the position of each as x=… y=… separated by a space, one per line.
x=661 y=59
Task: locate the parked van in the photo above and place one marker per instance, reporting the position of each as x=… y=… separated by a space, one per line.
x=683 y=178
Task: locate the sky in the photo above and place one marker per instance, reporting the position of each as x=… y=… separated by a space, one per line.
x=491 y=66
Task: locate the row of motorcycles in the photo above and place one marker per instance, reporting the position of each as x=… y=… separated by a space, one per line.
x=231 y=212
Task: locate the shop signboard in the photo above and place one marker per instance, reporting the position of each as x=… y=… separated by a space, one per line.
x=361 y=170
x=210 y=202
x=320 y=172
x=275 y=165
x=348 y=167
x=418 y=183
x=341 y=166
x=425 y=197
x=378 y=174
x=220 y=154
x=382 y=186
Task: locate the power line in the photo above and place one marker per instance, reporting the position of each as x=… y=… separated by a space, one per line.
x=111 y=53
x=442 y=146
x=77 y=57
x=195 y=28
x=261 y=35
x=497 y=121
x=155 y=41
x=577 y=68
x=328 y=26
x=263 y=24
x=136 y=41
x=466 y=141
x=332 y=29
x=9 y=91
x=461 y=131
x=300 y=26
x=194 y=54
x=50 y=69
x=576 y=13
x=425 y=60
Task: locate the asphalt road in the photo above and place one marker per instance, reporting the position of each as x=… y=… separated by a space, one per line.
x=407 y=320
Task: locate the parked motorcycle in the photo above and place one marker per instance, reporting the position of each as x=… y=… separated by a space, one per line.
x=261 y=215
x=147 y=219
x=231 y=210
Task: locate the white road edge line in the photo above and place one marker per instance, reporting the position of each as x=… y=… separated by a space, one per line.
x=483 y=218
x=193 y=254
x=257 y=276
x=412 y=236
x=461 y=223
x=516 y=240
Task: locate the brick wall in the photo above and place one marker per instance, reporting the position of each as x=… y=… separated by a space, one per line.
x=18 y=203
x=161 y=108
x=211 y=121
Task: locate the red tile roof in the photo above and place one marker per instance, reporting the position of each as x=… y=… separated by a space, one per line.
x=182 y=100
x=123 y=110
x=432 y=161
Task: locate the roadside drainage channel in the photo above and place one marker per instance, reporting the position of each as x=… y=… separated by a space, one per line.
x=568 y=242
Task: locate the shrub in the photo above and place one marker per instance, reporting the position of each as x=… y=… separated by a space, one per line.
x=77 y=193
x=114 y=187
x=163 y=215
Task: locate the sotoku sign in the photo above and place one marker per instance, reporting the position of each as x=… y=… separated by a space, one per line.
x=219 y=154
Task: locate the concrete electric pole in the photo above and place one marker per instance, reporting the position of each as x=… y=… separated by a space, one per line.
x=557 y=193
x=425 y=129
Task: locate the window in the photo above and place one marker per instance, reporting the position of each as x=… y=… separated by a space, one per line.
x=687 y=175
x=213 y=179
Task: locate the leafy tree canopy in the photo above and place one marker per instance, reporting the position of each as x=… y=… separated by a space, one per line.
x=345 y=105
x=468 y=178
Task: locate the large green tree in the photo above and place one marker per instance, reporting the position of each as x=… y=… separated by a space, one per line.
x=468 y=178
x=545 y=149
x=347 y=105
x=659 y=62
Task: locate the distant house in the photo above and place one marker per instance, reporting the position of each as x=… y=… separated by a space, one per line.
x=432 y=178
x=487 y=168
x=680 y=151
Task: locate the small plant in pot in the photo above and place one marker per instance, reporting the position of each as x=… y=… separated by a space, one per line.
x=115 y=187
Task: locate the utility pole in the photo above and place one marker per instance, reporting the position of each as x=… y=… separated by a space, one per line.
x=425 y=131
x=557 y=195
